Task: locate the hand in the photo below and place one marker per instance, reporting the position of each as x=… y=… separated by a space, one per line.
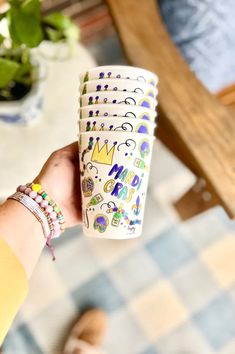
x=61 y=180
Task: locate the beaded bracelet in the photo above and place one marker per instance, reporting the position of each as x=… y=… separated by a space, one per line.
x=32 y=206
x=47 y=212
x=53 y=212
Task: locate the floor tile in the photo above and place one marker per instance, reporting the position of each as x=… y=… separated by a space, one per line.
x=21 y=341
x=99 y=291
x=216 y=321
x=195 y=285
x=46 y=286
x=76 y=262
x=220 y=260
x=205 y=229
x=149 y=350
x=156 y=219
x=108 y=252
x=58 y=318
x=124 y=336
x=159 y=310
x=185 y=339
x=134 y=273
x=170 y=251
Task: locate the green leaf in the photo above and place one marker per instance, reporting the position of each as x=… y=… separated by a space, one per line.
x=8 y=69
x=32 y=7
x=23 y=70
x=1 y=38
x=2 y=15
x=53 y=35
x=12 y=30
x=25 y=28
x=58 y=20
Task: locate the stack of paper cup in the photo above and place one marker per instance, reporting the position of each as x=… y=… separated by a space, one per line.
x=116 y=135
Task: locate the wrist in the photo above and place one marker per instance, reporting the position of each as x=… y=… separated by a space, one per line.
x=23 y=233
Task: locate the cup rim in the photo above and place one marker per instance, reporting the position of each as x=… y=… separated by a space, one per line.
x=110 y=105
x=95 y=133
x=115 y=93
x=119 y=117
x=113 y=80
x=121 y=67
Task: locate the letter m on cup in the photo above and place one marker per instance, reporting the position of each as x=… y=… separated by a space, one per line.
x=116 y=169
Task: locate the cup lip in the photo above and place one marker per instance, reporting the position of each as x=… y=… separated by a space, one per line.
x=112 y=81
x=113 y=133
x=137 y=120
x=127 y=68
x=114 y=106
x=115 y=94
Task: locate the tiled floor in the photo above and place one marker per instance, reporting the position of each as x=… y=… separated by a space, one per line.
x=170 y=292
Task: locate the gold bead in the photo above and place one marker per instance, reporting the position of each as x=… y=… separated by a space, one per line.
x=36 y=187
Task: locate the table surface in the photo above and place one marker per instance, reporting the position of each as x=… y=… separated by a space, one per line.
x=24 y=149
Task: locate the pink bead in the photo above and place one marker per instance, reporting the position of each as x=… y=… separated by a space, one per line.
x=22 y=188
x=53 y=215
x=44 y=203
x=27 y=191
x=38 y=199
x=55 y=222
x=49 y=209
x=32 y=194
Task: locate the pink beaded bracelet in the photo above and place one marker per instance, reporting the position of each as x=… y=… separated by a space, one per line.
x=50 y=208
x=47 y=212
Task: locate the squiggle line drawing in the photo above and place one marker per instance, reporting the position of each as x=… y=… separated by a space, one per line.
x=141 y=78
x=90 y=166
x=110 y=204
x=128 y=143
x=128 y=100
x=130 y=114
x=124 y=127
x=138 y=90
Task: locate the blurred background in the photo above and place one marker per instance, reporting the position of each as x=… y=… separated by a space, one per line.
x=173 y=290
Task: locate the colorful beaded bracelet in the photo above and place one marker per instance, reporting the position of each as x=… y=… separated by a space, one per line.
x=47 y=212
x=50 y=208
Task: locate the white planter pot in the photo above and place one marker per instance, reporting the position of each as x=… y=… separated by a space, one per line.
x=27 y=108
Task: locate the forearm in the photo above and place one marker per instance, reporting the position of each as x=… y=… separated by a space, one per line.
x=23 y=233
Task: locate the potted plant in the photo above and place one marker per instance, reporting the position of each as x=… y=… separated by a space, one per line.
x=22 y=28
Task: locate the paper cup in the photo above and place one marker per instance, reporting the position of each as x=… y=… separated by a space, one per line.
x=121 y=124
x=120 y=72
x=121 y=110
x=114 y=172
x=119 y=85
x=118 y=97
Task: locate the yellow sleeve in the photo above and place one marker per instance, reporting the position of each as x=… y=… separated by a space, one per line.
x=13 y=287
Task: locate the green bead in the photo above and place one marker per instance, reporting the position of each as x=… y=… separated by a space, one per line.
x=44 y=195
x=56 y=209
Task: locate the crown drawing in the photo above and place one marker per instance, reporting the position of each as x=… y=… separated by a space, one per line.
x=103 y=154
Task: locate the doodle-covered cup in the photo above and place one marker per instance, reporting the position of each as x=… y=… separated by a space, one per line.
x=119 y=72
x=120 y=124
x=119 y=110
x=119 y=85
x=114 y=171
x=118 y=97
